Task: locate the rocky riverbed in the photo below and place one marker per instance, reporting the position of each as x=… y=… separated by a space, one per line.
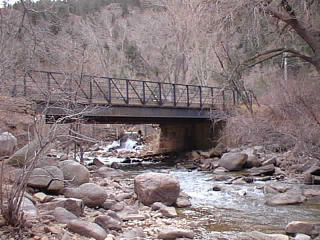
x=220 y=194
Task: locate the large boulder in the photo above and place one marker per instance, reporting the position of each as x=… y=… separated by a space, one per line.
x=20 y=157
x=307 y=228
x=8 y=144
x=157 y=187
x=91 y=194
x=29 y=209
x=289 y=197
x=87 y=229
x=233 y=161
x=73 y=171
x=48 y=178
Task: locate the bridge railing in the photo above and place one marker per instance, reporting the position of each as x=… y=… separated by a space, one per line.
x=87 y=89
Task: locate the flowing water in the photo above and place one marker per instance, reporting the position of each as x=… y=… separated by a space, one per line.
x=237 y=208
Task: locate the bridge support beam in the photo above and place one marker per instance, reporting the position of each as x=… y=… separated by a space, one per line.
x=185 y=136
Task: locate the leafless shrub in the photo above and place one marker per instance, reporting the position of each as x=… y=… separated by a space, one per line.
x=289 y=118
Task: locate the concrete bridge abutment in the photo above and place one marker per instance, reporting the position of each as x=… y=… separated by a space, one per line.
x=175 y=137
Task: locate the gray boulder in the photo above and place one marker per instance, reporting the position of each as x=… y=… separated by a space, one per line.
x=62 y=215
x=156 y=187
x=91 y=194
x=47 y=178
x=87 y=229
x=8 y=144
x=233 y=161
x=173 y=233
x=307 y=228
x=29 y=209
x=291 y=197
x=73 y=171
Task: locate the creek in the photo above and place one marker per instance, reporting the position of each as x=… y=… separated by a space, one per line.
x=234 y=209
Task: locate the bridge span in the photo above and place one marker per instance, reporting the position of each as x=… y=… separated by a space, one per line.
x=184 y=111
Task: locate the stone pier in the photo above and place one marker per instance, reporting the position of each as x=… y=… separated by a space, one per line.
x=185 y=136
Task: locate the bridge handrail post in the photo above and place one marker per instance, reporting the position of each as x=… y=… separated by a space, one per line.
x=144 y=92
x=109 y=88
x=200 y=95
x=188 y=99
x=127 y=91
x=90 y=89
x=174 y=95
x=160 y=93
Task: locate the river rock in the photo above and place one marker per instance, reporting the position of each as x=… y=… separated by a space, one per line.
x=182 y=202
x=91 y=194
x=8 y=144
x=73 y=171
x=290 y=197
x=41 y=177
x=164 y=210
x=62 y=215
x=264 y=170
x=73 y=205
x=253 y=161
x=233 y=161
x=111 y=221
x=307 y=228
x=173 y=233
x=300 y=236
x=87 y=229
x=134 y=234
x=272 y=160
x=107 y=172
x=275 y=187
x=157 y=187
x=29 y=209
x=255 y=235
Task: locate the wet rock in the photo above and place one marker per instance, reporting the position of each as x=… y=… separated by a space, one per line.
x=233 y=161
x=208 y=164
x=310 y=176
x=183 y=202
x=220 y=170
x=290 y=197
x=216 y=188
x=73 y=171
x=108 y=172
x=8 y=144
x=87 y=229
x=300 y=236
x=264 y=170
x=275 y=187
x=307 y=228
x=62 y=215
x=29 y=209
x=174 y=233
x=111 y=221
x=261 y=236
x=91 y=194
x=48 y=178
x=157 y=187
x=220 y=178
